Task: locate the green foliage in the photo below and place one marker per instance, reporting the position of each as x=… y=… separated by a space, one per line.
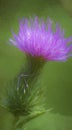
x=24 y=96
x=22 y=100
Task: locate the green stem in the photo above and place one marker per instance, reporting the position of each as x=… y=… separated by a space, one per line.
x=23 y=121
x=32 y=68
x=18 y=100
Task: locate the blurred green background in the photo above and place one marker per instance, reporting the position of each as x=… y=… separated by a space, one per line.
x=56 y=76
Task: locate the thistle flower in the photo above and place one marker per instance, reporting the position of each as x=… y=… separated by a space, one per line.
x=37 y=39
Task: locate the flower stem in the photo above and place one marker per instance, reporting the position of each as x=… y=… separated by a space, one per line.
x=32 y=68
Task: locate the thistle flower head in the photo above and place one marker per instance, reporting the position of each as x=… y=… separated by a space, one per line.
x=36 y=38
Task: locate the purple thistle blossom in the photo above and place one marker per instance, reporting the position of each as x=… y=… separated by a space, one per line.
x=37 y=39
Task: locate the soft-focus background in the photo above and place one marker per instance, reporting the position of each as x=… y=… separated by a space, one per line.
x=56 y=76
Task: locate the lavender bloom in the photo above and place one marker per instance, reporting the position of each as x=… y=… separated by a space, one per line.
x=37 y=39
